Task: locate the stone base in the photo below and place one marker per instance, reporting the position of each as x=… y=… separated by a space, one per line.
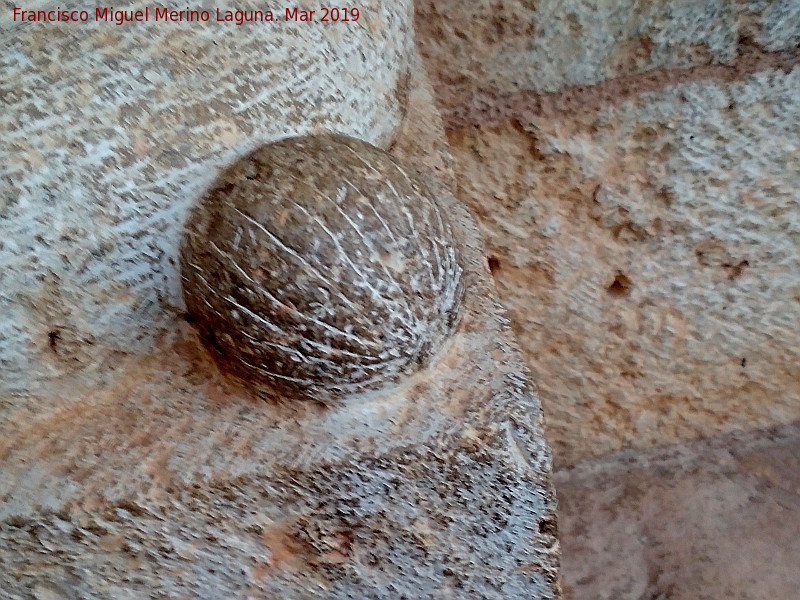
x=149 y=475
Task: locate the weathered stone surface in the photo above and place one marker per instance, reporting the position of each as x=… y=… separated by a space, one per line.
x=151 y=476
x=709 y=519
x=321 y=266
x=110 y=133
x=480 y=51
x=649 y=255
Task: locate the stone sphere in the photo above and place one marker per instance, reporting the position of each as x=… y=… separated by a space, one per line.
x=320 y=266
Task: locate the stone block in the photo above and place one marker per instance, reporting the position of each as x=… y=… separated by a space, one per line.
x=649 y=255
x=481 y=52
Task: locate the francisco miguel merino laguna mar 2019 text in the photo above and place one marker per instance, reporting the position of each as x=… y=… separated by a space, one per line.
x=156 y=14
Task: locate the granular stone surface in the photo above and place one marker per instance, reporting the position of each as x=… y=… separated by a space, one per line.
x=108 y=135
x=150 y=476
x=648 y=255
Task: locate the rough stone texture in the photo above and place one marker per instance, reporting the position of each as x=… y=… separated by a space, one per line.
x=151 y=476
x=649 y=255
x=481 y=51
x=321 y=266
x=108 y=135
x=707 y=520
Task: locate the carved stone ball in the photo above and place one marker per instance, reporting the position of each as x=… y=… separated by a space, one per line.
x=320 y=266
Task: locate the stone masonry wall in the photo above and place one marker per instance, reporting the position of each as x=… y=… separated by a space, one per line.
x=644 y=231
x=483 y=54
